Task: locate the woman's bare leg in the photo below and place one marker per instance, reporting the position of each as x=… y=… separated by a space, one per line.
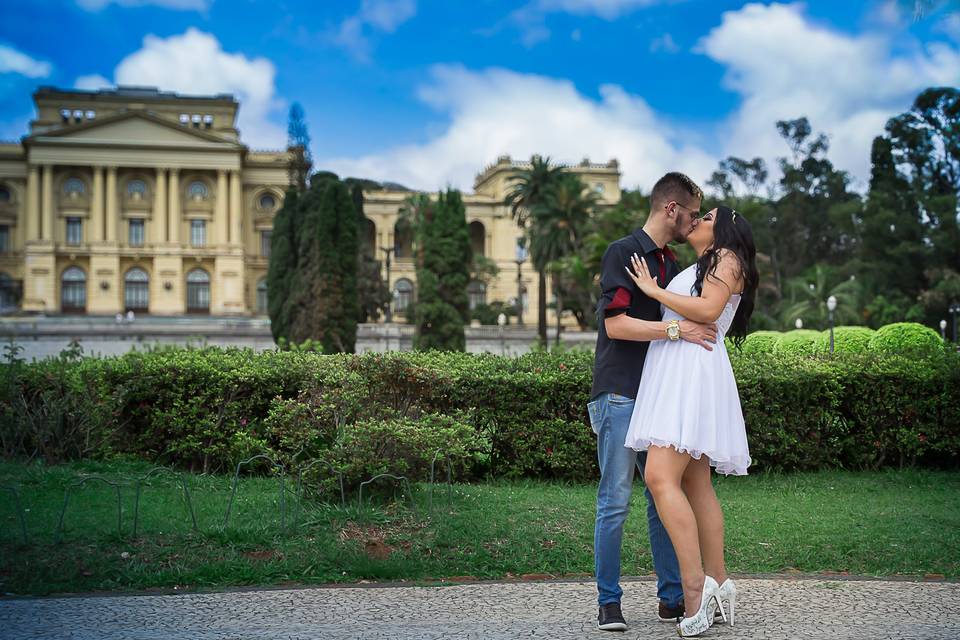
x=663 y=476
x=697 y=486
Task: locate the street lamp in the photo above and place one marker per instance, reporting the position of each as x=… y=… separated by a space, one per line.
x=954 y=311
x=831 y=307
x=501 y=321
x=798 y=324
x=388 y=316
x=520 y=258
x=943 y=330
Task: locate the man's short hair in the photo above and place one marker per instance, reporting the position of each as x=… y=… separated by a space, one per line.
x=674 y=186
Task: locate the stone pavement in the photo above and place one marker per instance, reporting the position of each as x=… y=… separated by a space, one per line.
x=767 y=609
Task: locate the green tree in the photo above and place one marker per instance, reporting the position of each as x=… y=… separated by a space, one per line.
x=807 y=299
x=528 y=189
x=282 y=276
x=373 y=293
x=444 y=258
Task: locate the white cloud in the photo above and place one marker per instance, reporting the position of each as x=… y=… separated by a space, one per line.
x=530 y=19
x=92 y=83
x=784 y=66
x=497 y=111
x=180 y=5
x=374 y=15
x=195 y=63
x=664 y=43
x=13 y=61
x=950 y=25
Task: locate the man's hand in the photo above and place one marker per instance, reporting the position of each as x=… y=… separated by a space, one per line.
x=701 y=334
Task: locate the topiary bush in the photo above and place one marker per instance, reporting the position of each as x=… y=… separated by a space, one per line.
x=907 y=338
x=845 y=340
x=761 y=341
x=799 y=342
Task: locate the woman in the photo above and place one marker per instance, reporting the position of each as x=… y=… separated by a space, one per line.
x=687 y=412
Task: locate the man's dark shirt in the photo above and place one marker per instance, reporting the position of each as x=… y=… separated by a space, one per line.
x=618 y=364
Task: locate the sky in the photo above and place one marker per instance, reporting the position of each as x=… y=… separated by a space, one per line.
x=428 y=92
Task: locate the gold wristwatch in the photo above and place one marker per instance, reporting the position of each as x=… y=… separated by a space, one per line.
x=673 y=330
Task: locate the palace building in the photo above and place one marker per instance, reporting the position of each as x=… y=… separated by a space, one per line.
x=137 y=199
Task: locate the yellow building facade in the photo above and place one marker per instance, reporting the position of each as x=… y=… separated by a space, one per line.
x=138 y=200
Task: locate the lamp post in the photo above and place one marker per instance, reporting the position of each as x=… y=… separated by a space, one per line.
x=520 y=258
x=501 y=321
x=798 y=324
x=388 y=315
x=831 y=307
x=943 y=330
x=954 y=311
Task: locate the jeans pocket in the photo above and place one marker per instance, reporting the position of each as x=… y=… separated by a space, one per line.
x=595 y=409
x=616 y=398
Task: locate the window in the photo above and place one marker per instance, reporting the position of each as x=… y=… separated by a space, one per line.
x=73 y=290
x=598 y=187
x=74 y=231
x=478 y=238
x=8 y=293
x=198 y=233
x=198 y=191
x=136 y=232
x=477 y=293
x=4 y=238
x=402 y=295
x=262 y=296
x=267 y=202
x=74 y=187
x=5 y=195
x=136 y=290
x=402 y=240
x=198 y=291
x=266 y=238
x=137 y=189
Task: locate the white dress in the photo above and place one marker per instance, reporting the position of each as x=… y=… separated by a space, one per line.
x=688 y=396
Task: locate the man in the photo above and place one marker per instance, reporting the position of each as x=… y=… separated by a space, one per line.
x=628 y=321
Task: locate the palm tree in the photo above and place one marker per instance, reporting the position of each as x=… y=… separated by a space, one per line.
x=808 y=300
x=558 y=225
x=528 y=190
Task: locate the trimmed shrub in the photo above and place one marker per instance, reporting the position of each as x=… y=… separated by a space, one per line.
x=845 y=340
x=761 y=341
x=907 y=338
x=797 y=342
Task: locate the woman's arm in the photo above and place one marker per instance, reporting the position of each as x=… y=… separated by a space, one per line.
x=706 y=307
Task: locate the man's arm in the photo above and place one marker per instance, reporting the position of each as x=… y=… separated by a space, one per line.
x=623 y=327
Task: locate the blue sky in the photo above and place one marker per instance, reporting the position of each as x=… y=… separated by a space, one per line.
x=426 y=92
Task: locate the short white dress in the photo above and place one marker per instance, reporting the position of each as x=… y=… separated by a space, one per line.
x=688 y=396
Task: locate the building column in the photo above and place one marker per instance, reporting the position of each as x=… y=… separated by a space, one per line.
x=160 y=208
x=46 y=203
x=111 y=199
x=173 y=197
x=236 y=208
x=97 y=200
x=220 y=210
x=33 y=203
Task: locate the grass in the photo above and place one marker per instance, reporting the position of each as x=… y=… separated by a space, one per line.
x=883 y=524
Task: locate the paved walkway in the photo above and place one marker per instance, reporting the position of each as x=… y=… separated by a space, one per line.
x=767 y=608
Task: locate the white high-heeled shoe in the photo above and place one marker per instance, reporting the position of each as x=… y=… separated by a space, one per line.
x=703 y=618
x=727 y=595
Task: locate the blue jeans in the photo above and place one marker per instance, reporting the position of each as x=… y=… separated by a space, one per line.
x=610 y=418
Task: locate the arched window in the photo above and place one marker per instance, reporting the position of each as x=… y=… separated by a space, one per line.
x=5 y=194
x=262 y=296
x=477 y=294
x=73 y=290
x=198 y=291
x=74 y=187
x=478 y=238
x=402 y=295
x=267 y=202
x=369 y=237
x=136 y=290
x=402 y=239
x=137 y=189
x=198 y=190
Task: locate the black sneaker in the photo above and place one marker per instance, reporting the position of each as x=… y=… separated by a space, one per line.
x=670 y=614
x=610 y=618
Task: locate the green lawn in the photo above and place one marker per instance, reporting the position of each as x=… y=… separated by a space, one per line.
x=889 y=523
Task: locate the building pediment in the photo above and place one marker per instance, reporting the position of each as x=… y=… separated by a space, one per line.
x=132 y=129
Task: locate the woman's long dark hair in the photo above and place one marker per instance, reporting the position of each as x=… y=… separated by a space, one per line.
x=732 y=232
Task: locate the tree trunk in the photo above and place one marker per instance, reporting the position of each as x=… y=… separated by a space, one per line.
x=542 y=307
x=559 y=309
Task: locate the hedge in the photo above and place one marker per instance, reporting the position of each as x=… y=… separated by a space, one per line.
x=490 y=416
x=797 y=342
x=907 y=338
x=845 y=340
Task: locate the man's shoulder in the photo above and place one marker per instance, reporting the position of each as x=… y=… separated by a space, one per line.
x=626 y=243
